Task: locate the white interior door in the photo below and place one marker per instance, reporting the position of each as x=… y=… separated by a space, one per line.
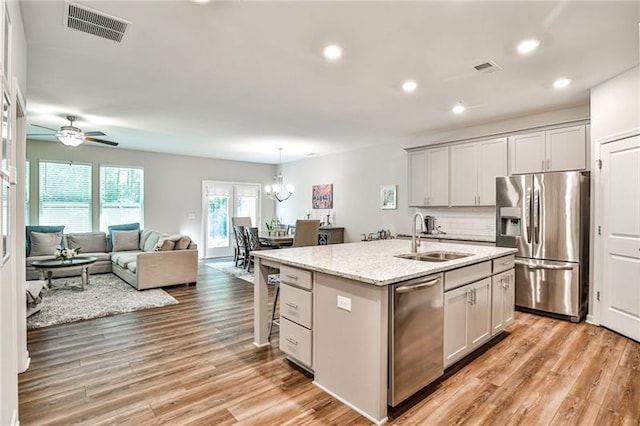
x=220 y=202
x=620 y=289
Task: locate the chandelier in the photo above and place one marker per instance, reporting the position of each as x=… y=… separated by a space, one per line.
x=278 y=191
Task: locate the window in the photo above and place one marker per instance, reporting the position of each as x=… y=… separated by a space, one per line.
x=121 y=195
x=65 y=195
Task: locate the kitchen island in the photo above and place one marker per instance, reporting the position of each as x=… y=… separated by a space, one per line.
x=336 y=317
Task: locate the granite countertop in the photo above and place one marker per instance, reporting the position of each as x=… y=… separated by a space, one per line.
x=460 y=237
x=373 y=262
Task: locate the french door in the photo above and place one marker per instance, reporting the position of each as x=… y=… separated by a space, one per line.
x=220 y=202
x=620 y=310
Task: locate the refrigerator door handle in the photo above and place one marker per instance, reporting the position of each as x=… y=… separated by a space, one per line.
x=527 y=212
x=549 y=267
x=536 y=215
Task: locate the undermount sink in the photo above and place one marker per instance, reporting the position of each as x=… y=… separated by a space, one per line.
x=434 y=256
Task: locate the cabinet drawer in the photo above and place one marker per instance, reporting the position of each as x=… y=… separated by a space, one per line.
x=295 y=304
x=295 y=341
x=296 y=276
x=466 y=275
x=503 y=263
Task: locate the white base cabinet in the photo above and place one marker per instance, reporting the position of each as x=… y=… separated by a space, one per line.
x=503 y=301
x=296 y=314
x=467 y=319
x=479 y=302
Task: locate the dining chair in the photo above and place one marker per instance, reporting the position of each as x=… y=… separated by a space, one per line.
x=241 y=252
x=254 y=244
x=240 y=221
x=306 y=233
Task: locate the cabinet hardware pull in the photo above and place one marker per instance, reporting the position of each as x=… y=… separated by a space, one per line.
x=474 y=296
x=542 y=165
x=410 y=288
x=506 y=262
x=292 y=341
x=470 y=297
x=548 y=164
x=292 y=305
x=293 y=277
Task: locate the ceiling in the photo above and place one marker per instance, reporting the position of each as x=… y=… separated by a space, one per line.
x=238 y=79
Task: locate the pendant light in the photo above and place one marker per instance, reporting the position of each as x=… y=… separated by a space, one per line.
x=278 y=191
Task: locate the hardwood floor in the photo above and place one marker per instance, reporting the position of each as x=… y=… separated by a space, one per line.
x=194 y=363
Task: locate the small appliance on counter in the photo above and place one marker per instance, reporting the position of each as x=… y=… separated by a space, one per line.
x=430 y=225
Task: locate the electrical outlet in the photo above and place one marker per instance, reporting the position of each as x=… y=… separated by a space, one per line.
x=344 y=303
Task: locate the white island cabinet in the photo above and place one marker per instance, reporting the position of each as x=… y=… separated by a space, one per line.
x=343 y=336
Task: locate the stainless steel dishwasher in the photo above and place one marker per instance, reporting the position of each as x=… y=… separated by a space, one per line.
x=416 y=334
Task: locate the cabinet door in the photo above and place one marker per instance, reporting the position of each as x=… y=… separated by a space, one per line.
x=418 y=178
x=464 y=175
x=479 y=319
x=492 y=163
x=502 y=302
x=438 y=176
x=566 y=149
x=527 y=153
x=456 y=304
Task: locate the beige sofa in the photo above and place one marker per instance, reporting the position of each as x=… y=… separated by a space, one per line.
x=160 y=260
x=153 y=260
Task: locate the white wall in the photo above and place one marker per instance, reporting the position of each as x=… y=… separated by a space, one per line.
x=173 y=183
x=615 y=107
x=9 y=287
x=357 y=176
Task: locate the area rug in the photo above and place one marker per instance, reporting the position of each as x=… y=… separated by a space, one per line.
x=231 y=269
x=105 y=295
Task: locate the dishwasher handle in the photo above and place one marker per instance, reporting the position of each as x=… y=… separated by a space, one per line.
x=415 y=287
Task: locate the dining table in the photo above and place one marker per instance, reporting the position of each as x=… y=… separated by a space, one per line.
x=278 y=239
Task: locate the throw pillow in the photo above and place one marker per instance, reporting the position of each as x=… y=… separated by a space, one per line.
x=45 y=243
x=39 y=228
x=88 y=242
x=123 y=227
x=164 y=244
x=183 y=243
x=125 y=240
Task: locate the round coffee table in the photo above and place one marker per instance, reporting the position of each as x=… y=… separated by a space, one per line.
x=46 y=267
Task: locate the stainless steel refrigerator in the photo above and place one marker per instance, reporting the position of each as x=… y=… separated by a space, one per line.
x=546 y=217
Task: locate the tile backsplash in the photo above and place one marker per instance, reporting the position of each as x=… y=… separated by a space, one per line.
x=469 y=221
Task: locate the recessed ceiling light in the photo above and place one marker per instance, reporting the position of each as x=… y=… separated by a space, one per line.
x=527 y=46
x=458 y=108
x=332 y=52
x=561 y=83
x=409 y=86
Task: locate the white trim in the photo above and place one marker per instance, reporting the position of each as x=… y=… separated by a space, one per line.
x=14 y=418
x=353 y=407
x=617 y=136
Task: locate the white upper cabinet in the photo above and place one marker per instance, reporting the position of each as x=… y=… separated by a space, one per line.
x=548 y=151
x=429 y=177
x=566 y=149
x=474 y=168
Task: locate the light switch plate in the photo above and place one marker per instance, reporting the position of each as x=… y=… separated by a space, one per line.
x=344 y=303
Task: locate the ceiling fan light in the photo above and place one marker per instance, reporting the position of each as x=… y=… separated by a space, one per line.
x=69 y=138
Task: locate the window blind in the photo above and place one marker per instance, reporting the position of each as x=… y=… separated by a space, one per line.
x=121 y=195
x=65 y=195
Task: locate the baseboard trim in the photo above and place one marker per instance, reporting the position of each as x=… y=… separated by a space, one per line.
x=14 y=418
x=377 y=422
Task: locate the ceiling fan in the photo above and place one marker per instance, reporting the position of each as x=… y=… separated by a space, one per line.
x=73 y=136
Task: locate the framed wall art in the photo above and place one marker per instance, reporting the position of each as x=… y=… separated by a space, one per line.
x=388 y=197
x=322 y=196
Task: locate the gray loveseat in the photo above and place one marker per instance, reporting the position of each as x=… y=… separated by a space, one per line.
x=145 y=259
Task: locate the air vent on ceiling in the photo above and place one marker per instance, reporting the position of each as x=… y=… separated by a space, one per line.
x=90 y=21
x=488 y=67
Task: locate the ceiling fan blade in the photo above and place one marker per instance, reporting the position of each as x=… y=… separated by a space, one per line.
x=90 y=139
x=96 y=133
x=40 y=134
x=43 y=127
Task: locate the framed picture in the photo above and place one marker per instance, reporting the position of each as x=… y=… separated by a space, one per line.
x=388 y=197
x=322 y=196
